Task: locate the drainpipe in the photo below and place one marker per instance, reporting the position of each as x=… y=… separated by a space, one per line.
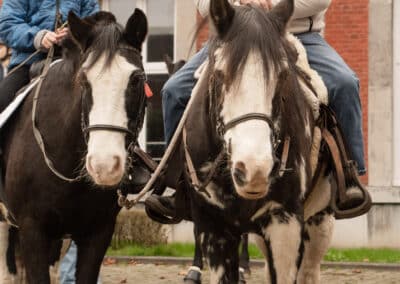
x=396 y=93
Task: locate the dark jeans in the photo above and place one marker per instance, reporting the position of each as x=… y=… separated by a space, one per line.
x=10 y=85
x=342 y=83
x=343 y=90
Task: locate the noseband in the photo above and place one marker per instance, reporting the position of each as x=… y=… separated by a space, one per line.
x=275 y=137
x=130 y=135
x=108 y=127
x=247 y=117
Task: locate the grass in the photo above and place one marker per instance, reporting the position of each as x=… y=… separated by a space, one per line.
x=187 y=250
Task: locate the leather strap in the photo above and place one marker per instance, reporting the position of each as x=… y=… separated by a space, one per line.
x=249 y=116
x=337 y=161
x=285 y=154
x=36 y=132
x=189 y=162
x=147 y=160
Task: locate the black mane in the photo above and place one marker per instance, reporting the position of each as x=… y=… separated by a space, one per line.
x=107 y=38
x=253 y=29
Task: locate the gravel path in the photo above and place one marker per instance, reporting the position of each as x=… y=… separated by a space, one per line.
x=135 y=273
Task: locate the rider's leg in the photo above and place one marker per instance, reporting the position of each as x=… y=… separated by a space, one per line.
x=343 y=90
x=10 y=85
x=177 y=91
x=175 y=96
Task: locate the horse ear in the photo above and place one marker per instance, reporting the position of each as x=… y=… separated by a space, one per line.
x=80 y=30
x=283 y=11
x=136 y=29
x=222 y=14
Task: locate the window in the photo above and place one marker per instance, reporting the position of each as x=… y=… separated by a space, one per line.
x=160 y=42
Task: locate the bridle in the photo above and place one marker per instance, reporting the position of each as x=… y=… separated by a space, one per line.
x=131 y=136
x=221 y=128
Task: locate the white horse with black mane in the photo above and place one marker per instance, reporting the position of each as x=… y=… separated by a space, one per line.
x=251 y=157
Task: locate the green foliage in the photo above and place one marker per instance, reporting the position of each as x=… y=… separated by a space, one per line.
x=187 y=250
x=364 y=255
x=175 y=250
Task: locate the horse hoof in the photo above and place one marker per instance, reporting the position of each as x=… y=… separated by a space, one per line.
x=242 y=280
x=192 y=277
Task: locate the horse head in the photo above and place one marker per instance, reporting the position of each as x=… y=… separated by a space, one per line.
x=111 y=79
x=247 y=60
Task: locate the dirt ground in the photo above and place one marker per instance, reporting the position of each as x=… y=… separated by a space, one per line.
x=135 y=273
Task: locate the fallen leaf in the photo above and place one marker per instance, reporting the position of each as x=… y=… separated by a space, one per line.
x=132 y=262
x=182 y=273
x=109 y=261
x=123 y=281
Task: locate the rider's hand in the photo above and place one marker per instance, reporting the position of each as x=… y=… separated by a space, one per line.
x=51 y=38
x=266 y=4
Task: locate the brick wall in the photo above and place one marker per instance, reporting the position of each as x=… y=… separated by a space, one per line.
x=347 y=32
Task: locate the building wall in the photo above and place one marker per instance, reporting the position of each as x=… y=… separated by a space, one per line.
x=347 y=32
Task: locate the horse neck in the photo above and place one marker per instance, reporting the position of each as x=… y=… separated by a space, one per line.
x=58 y=114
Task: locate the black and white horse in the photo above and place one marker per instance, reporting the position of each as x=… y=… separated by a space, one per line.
x=247 y=146
x=90 y=109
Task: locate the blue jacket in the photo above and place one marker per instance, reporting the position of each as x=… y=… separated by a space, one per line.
x=21 y=20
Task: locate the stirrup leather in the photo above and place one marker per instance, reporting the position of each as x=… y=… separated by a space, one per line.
x=344 y=171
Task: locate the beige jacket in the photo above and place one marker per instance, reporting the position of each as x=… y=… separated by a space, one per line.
x=307 y=14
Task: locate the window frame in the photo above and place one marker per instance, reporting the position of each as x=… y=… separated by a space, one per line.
x=151 y=68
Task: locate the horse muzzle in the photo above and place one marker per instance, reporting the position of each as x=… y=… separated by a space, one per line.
x=105 y=170
x=250 y=184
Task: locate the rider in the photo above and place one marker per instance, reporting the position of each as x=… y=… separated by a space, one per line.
x=27 y=26
x=307 y=23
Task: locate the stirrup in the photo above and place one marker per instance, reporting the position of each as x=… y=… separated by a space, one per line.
x=356 y=211
x=159 y=213
x=344 y=172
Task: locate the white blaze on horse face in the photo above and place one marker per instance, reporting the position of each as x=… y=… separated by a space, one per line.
x=105 y=160
x=250 y=141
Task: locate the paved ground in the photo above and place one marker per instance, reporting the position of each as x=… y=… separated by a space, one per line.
x=136 y=273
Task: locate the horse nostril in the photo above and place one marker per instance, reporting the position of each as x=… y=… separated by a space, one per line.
x=89 y=165
x=239 y=175
x=117 y=164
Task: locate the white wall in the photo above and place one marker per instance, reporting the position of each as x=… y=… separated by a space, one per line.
x=396 y=91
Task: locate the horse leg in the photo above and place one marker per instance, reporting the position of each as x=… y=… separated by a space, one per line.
x=91 y=251
x=284 y=246
x=7 y=265
x=318 y=231
x=35 y=246
x=222 y=253
x=193 y=275
x=244 y=254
